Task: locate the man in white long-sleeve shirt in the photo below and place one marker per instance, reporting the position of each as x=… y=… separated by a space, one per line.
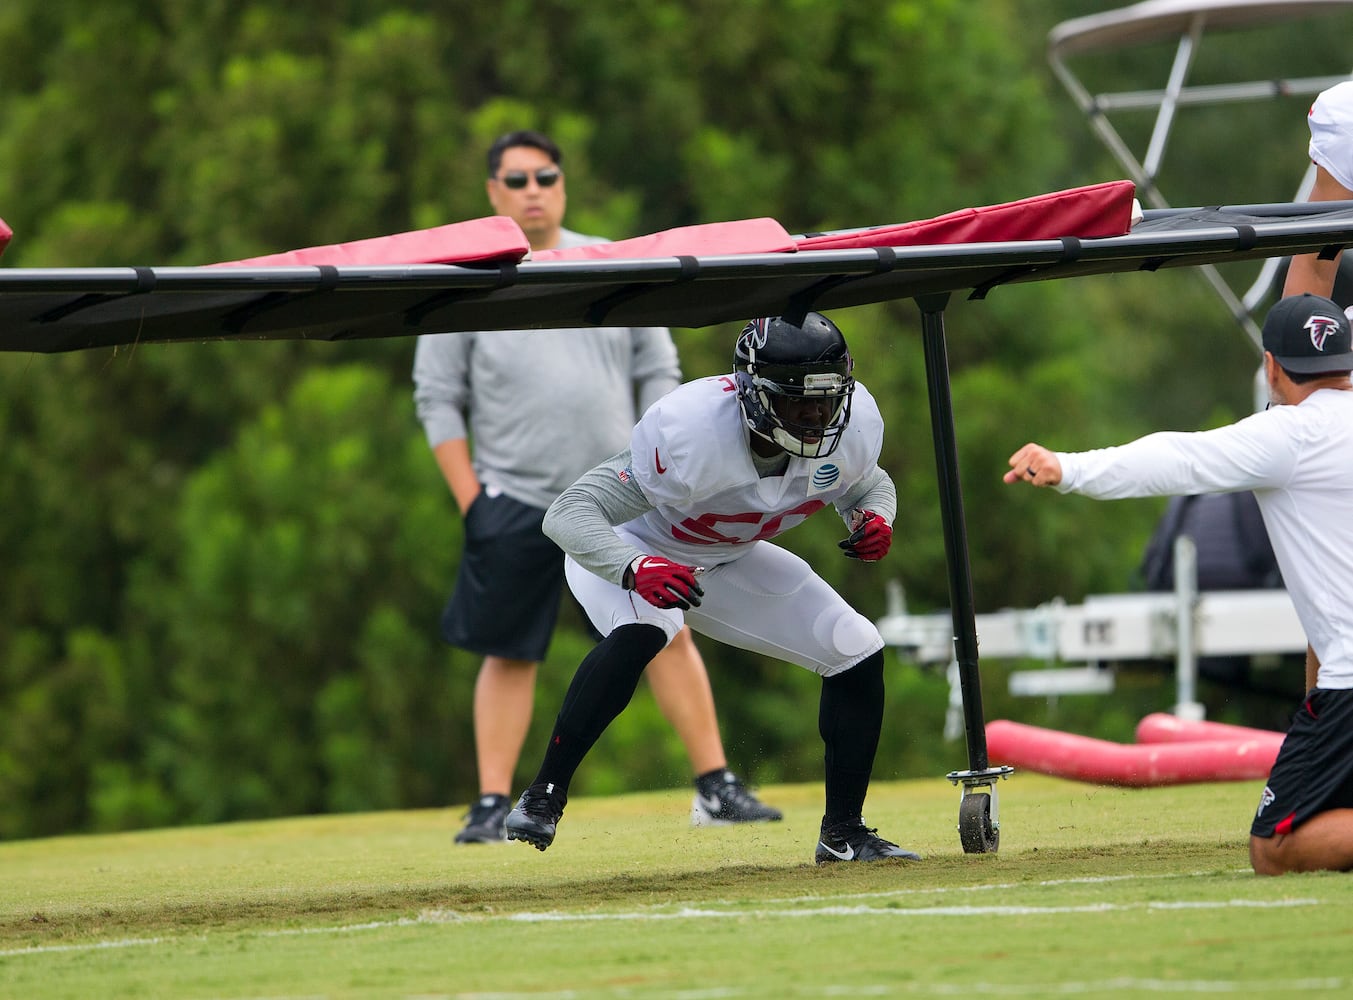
x=1297 y=456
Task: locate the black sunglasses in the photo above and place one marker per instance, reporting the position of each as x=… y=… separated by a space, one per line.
x=545 y=177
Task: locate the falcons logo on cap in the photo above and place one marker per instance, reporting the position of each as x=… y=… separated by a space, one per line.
x=1321 y=327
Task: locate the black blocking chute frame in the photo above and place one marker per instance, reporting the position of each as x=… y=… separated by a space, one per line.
x=66 y=309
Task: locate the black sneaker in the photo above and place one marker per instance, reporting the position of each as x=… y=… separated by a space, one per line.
x=538 y=811
x=484 y=821
x=722 y=799
x=851 y=840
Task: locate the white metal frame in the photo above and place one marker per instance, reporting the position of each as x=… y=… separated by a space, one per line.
x=1107 y=629
x=1186 y=21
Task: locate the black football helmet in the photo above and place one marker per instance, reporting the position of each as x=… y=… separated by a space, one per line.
x=778 y=363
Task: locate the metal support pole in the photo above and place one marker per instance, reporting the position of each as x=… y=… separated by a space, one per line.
x=1187 y=705
x=979 y=820
x=955 y=529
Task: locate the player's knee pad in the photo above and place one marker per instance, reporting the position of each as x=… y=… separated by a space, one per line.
x=851 y=636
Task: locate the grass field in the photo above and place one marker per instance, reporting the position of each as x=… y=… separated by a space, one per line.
x=1095 y=892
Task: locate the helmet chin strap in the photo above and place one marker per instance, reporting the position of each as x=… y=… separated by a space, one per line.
x=795 y=446
x=787 y=443
x=779 y=436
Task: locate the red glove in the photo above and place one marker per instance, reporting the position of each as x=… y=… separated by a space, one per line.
x=870 y=538
x=666 y=584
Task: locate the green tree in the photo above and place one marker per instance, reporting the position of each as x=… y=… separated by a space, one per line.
x=307 y=566
x=224 y=562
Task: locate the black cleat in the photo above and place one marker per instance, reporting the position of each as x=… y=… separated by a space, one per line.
x=721 y=799
x=851 y=840
x=537 y=813
x=484 y=821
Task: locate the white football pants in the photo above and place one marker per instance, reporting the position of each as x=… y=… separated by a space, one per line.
x=768 y=601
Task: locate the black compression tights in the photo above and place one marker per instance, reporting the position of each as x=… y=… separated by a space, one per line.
x=849 y=718
x=600 y=690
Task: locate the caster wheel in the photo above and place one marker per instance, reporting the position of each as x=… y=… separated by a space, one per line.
x=975 y=831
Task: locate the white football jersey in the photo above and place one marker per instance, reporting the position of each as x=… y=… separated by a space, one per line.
x=692 y=460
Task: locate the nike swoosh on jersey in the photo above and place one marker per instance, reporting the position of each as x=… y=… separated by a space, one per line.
x=847 y=855
x=657 y=463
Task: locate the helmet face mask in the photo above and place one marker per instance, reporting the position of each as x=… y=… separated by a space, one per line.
x=795 y=383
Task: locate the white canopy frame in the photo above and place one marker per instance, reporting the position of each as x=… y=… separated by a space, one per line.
x=1185 y=21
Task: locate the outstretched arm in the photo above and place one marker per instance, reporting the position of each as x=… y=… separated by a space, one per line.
x=1034 y=465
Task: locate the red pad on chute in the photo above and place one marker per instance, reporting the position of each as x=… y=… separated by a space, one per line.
x=708 y=240
x=493 y=239
x=5 y=234
x=1085 y=213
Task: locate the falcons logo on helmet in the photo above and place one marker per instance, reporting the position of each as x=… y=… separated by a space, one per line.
x=1321 y=327
x=754 y=334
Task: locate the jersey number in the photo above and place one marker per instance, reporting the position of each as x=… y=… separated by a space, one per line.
x=701 y=531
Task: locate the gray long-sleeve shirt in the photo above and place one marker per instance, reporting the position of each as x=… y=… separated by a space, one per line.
x=540 y=407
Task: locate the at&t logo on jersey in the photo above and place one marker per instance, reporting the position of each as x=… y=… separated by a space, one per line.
x=824 y=478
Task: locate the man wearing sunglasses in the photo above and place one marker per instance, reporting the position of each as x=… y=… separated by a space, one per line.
x=526 y=184
x=542 y=407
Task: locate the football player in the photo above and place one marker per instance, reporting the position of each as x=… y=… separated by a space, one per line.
x=678 y=530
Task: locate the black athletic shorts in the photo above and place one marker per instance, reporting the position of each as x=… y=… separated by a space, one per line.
x=1314 y=769
x=506 y=599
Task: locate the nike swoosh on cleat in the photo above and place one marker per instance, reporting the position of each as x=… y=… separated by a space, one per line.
x=711 y=802
x=847 y=855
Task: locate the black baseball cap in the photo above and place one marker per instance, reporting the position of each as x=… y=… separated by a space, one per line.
x=1307 y=334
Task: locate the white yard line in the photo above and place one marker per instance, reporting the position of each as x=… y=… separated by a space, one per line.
x=731 y=909
x=1234 y=987
x=48 y=949
x=1000 y=886
x=689 y=913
